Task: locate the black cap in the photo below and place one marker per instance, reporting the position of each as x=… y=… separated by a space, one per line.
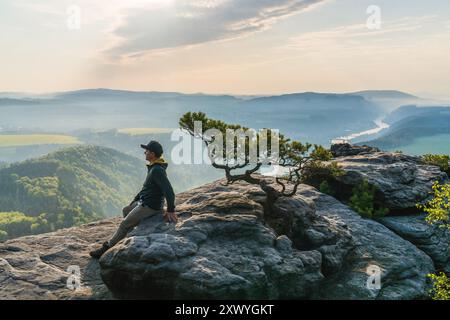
x=154 y=146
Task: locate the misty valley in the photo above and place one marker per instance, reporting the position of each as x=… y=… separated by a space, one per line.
x=63 y=124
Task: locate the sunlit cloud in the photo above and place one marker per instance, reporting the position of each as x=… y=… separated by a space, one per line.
x=39 y=7
x=233 y=46
x=191 y=22
x=393 y=33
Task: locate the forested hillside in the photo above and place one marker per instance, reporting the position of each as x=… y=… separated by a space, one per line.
x=68 y=187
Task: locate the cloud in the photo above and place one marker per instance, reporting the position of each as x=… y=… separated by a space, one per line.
x=392 y=34
x=39 y=7
x=181 y=23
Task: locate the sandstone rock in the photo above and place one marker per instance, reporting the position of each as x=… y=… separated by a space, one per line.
x=401 y=180
x=36 y=267
x=346 y=149
x=228 y=252
x=222 y=249
x=432 y=240
x=403 y=266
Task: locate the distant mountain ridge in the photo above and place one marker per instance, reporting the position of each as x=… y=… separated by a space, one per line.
x=384 y=94
x=102 y=93
x=309 y=116
x=17 y=101
x=114 y=93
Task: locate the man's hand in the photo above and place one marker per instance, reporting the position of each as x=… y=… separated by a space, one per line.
x=170 y=217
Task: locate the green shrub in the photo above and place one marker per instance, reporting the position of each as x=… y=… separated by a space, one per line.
x=319 y=168
x=3 y=235
x=438 y=208
x=325 y=188
x=441 y=286
x=437 y=160
x=362 y=201
x=317 y=171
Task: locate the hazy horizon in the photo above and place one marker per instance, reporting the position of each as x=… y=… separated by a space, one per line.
x=45 y=93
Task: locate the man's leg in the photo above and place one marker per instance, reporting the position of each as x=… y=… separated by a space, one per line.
x=133 y=215
x=126 y=210
x=130 y=221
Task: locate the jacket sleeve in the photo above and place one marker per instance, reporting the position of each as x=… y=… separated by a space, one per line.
x=160 y=178
x=136 y=198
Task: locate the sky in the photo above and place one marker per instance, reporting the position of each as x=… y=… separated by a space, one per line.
x=226 y=46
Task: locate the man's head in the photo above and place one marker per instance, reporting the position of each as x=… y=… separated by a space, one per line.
x=153 y=150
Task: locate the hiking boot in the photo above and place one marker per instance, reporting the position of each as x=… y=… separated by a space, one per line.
x=96 y=254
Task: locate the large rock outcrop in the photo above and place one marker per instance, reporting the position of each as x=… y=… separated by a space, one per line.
x=403 y=266
x=222 y=249
x=346 y=149
x=226 y=246
x=39 y=267
x=432 y=240
x=401 y=180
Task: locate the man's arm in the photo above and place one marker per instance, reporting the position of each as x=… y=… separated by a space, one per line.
x=135 y=198
x=160 y=178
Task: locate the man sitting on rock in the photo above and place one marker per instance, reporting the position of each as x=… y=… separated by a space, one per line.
x=149 y=201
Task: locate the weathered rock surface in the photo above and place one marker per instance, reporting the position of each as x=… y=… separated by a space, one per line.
x=403 y=266
x=345 y=149
x=36 y=267
x=401 y=180
x=221 y=249
x=225 y=247
x=434 y=241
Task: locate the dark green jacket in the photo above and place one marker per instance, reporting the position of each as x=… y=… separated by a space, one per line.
x=157 y=187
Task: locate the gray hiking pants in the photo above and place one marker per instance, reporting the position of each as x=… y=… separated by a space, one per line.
x=133 y=214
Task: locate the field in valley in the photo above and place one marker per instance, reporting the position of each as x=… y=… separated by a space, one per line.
x=20 y=140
